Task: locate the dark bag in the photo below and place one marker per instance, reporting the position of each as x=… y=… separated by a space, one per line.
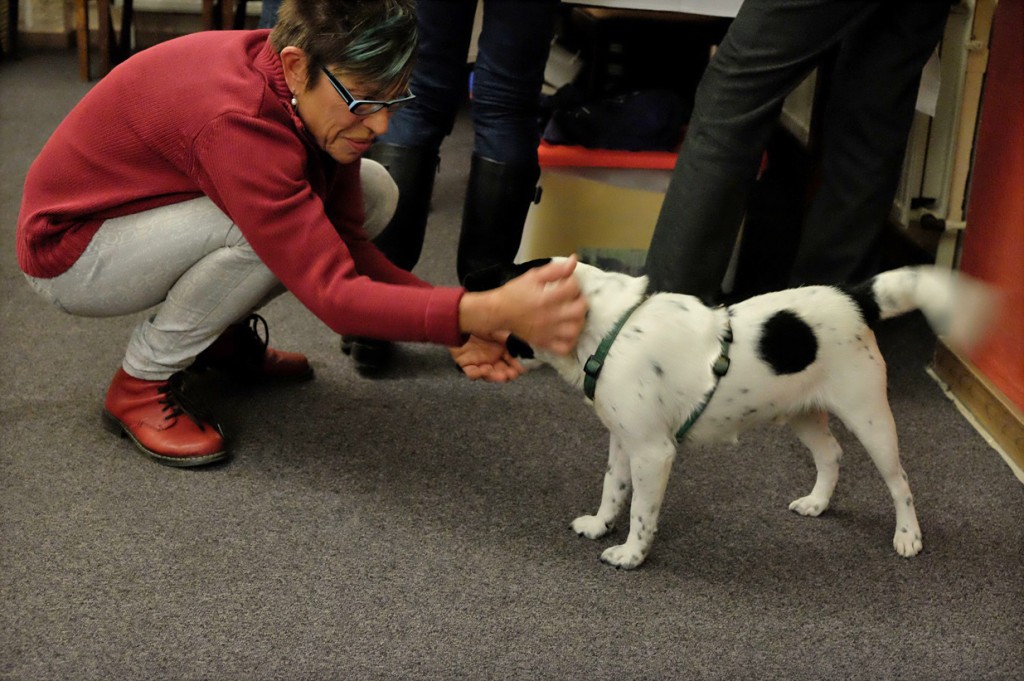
x=646 y=120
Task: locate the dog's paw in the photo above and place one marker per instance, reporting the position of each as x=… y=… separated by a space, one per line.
x=590 y=526
x=809 y=505
x=907 y=542
x=623 y=557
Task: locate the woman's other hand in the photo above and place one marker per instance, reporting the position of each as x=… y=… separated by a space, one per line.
x=487 y=359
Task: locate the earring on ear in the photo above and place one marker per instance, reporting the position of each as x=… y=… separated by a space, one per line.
x=295 y=102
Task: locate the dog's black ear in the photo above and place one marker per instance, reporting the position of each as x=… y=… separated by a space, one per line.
x=519 y=348
x=496 y=275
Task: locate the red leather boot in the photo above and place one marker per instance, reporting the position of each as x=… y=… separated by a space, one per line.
x=154 y=415
x=244 y=353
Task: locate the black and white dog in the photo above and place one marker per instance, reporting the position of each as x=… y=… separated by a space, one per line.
x=666 y=367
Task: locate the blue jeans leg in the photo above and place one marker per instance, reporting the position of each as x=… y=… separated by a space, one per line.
x=509 y=71
x=439 y=80
x=507 y=79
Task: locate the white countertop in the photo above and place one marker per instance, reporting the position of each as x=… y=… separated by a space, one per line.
x=715 y=8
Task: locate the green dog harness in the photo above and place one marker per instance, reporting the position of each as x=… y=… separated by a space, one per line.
x=595 y=363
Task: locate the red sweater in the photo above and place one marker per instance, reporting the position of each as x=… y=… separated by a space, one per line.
x=209 y=114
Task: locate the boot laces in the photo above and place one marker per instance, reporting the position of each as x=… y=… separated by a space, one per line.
x=175 y=404
x=254 y=342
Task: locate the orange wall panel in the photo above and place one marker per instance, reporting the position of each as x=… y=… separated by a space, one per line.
x=993 y=245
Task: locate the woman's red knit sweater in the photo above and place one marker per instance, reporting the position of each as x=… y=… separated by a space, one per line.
x=209 y=114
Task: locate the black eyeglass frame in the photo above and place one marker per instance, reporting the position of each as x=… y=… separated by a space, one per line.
x=365 y=107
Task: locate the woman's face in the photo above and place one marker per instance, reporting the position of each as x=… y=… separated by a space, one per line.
x=325 y=113
x=342 y=134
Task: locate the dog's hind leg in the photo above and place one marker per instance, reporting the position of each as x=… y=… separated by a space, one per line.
x=650 y=464
x=617 y=486
x=872 y=423
x=812 y=430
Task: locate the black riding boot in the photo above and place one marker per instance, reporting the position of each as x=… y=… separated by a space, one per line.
x=413 y=169
x=497 y=200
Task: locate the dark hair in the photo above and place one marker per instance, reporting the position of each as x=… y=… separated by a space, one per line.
x=373 y=41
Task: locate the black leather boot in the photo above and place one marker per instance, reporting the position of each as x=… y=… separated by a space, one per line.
x=371 y=356
x=497 y=200
x=413 y=169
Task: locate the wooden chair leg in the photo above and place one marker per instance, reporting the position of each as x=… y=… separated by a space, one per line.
x=82 y=37
x=115 y=46
x=106 y=37
x=227 y=14
x=207 y=15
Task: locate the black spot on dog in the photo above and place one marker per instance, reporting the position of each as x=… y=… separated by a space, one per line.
x=658 y=371
x=787 y=343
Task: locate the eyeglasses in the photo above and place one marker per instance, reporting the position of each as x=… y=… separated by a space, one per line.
x=365 y=107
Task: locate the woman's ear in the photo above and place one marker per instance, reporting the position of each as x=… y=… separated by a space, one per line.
x=295 y=64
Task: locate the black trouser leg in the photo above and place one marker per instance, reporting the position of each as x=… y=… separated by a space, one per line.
x=867 y=122
x=768 y=50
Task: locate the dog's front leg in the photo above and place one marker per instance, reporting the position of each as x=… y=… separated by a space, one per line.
x=650 y=464
x=613 y=497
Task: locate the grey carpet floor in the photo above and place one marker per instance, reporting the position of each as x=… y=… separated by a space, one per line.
x=416 y=527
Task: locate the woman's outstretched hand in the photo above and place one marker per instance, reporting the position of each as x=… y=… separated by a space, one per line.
x=543 y=307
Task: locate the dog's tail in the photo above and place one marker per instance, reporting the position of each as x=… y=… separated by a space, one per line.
x=959 y=308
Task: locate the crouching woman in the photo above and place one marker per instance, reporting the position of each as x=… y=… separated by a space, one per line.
x=209 y=173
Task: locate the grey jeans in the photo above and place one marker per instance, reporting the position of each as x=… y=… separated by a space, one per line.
x=191 y=261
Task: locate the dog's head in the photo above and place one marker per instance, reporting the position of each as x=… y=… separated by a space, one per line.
x=608 y=295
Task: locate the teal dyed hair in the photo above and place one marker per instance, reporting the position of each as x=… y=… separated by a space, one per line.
x=373 y=41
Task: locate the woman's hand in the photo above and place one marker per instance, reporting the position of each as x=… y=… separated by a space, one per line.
x=544 y=307
x=489 y=360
